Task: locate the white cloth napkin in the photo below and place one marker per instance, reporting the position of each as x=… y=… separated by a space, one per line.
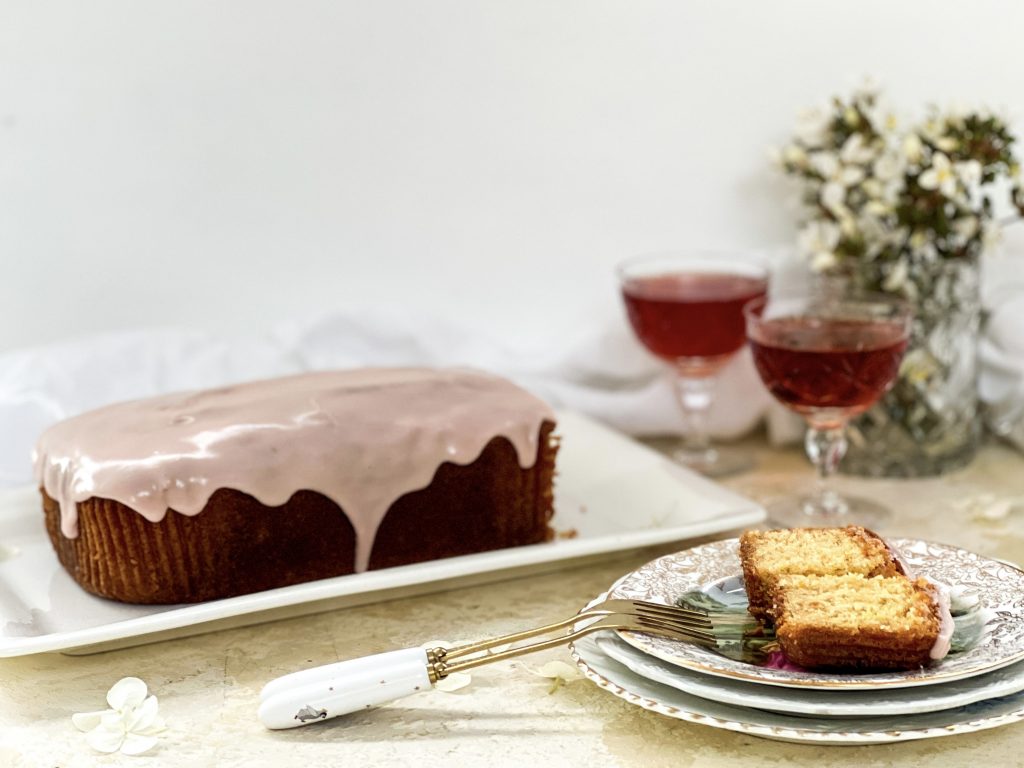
x=603 y=373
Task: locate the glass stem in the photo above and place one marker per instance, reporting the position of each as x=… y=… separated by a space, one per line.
x=694 y=394
x=825 y=447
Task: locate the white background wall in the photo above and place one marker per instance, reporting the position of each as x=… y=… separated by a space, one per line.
x=227 y=164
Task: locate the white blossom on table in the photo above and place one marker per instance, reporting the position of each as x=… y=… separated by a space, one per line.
x=130 y=726
x=559 y=673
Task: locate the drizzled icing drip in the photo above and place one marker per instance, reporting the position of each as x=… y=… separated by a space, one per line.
x=941 y=595
x=362 y=438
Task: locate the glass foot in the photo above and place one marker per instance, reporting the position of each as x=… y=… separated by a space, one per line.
x=715 y=462
x=807 y=512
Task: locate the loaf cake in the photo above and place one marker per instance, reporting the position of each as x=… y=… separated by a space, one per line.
x=767 y=556
x=856 y=623
x=204 y=495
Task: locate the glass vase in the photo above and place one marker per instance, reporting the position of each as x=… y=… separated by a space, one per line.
x=929 y=422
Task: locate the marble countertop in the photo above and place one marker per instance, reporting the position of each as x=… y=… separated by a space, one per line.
x=208 y=685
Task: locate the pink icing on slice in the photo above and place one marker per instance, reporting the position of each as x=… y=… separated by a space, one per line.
x=778 y=660
x=940 y=592
x=363 y=438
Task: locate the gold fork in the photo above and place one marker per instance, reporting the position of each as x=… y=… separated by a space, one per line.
x=674 y=621
x=337 y=689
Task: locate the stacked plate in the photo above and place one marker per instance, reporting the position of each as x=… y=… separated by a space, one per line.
x=975 y=689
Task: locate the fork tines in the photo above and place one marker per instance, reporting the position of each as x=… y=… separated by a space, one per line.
x=659 y=618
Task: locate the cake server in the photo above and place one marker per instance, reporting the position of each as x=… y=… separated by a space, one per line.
x=321 y=693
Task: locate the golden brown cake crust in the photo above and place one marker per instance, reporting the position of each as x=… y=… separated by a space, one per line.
x=236 y=545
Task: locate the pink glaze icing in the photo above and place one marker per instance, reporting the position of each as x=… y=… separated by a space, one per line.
x=778 y=660
x=940 y=592
x=363 y=438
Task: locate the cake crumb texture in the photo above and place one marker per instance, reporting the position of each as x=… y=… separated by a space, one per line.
x=854 y=622
x=767 y=556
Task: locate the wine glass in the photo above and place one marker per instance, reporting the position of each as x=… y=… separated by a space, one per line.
x=687 y=309
x=828 y=359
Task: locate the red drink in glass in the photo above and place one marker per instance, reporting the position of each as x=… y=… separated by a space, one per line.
x=828 y=359
x=815 y=364
x=687 y=309
x=691 y=315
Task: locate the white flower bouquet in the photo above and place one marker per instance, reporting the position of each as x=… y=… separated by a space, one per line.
x=908 y=210
x=899 y=198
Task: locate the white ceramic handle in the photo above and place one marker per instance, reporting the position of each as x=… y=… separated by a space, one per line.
x=337 y=689
x=304 y=677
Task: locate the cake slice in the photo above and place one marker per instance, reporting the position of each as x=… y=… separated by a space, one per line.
x=856 y=623
x=767 y=556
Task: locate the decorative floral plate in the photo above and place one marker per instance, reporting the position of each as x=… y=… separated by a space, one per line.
x=814 y=702
x=618 y=680
x=998 y=586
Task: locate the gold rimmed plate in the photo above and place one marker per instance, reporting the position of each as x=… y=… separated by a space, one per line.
x=998 y=586
x=651 y=695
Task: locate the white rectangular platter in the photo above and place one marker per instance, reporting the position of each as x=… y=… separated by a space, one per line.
x=612 y=494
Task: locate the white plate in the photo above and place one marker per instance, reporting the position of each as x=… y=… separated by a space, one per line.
x=801 y=701
x=613 y=493
x=656 y=697
x=999 y=587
